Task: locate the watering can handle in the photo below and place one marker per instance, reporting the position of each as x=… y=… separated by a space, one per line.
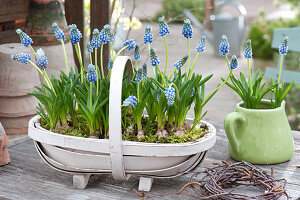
x=230 y=122
x=239 y=7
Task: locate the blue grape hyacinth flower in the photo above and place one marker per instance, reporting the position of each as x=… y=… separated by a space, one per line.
x=137 y=54
x=111 y=37
x=139 y=75
x=233 y=63
x=104 y=34
x=170 y=95
x=25 y=39
x=181 y=62
x=96 y=42
x=89 y=47
x=144 y=73
x=91 y=74
x=187 y=30
x=283 y=48
x=130 y=101
x=248 y=50
x=21 y=57
x=110 y=64
x=148 y=36
x=224 y=46
x=129 y=44
x=59 y=34
x=75 y=34
x=154 y=58
x=41 y=59
x=201 y=45
x=163 y=27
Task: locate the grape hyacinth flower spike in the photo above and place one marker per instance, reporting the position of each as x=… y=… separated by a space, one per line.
x=137 y=54
x=148 y=36
x=144 y=73
x=25 y=39
x=154 y=58
x=105 y=34
x=163 y=27
x=283 y=48
x=201 y=45
x=181 y=62
x=91 y=75
x=170 y=95
x=96 y=42
x=41 y=59
x=248 y=50
x=139 y=75
x=129 y=44
x=21 y=57
x=59 y=34
x=75 y=34
x=130 y=101
x=224 y=46
x=111 y=37
x=233 y=63
x=187 y=30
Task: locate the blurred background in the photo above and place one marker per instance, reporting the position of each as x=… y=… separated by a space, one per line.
x=238 y=19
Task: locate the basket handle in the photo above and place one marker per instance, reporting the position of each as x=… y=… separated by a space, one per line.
x=115 y=102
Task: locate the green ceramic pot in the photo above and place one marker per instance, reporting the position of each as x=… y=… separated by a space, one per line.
x=259 y=136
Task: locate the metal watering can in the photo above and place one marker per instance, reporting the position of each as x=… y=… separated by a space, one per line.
x=223 y=24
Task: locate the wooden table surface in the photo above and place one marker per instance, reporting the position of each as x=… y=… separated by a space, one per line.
x=28 y=177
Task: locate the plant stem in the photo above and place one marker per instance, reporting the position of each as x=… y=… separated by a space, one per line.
x=91 y=60
x=111 y=51
x=215 y=90
x=32 y=50
x=65 y=54
x=162 y=77
x=119 y=52
x=135 y=65
x=171 y=74
x=188 y=61
x=138 y=92
x=78 y=53
x=97 y=70
x=101 y=60
x=250 y=76
x=190 y=73
x=176 y=89
x=91 y=96
x=166 y=45
x=280 y=68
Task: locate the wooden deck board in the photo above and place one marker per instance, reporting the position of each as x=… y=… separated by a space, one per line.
x=28 y=177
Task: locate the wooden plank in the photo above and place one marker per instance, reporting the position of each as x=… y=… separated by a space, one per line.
x=75 y=15
x=35 y=180
x=9 y=36
x=100 y=17
x=12 y=10
x=286 y=75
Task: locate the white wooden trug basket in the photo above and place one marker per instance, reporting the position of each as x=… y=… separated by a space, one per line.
x=85 y=156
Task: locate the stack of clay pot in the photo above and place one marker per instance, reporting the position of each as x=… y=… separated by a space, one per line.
x=16 y=80
x=4 y=156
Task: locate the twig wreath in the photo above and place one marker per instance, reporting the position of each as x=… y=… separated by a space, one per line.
x=228 y=175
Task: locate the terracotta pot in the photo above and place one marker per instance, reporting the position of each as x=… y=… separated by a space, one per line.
x=16 y=80
x=41 y=15
x=4 y=156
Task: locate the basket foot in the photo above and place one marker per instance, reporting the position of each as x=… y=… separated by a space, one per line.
x=145 y=184
x=80 y=181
